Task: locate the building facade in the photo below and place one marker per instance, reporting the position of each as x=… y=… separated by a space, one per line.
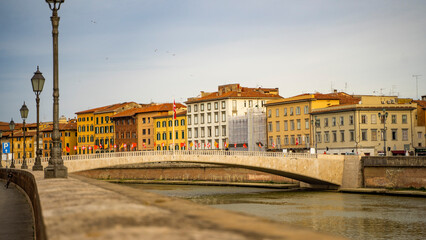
x=163 y=131
x=289 y=123
x=208 y=115
x=68 y=137
x=375 y=124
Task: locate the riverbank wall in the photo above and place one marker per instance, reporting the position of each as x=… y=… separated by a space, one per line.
x=184 y=172
x=394 y=172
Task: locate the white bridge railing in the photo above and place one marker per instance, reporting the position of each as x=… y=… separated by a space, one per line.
x=30 y=161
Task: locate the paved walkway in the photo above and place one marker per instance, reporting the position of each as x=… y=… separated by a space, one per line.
x=16 y=220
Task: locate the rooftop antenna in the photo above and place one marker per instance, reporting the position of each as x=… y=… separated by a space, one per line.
x=417 y=85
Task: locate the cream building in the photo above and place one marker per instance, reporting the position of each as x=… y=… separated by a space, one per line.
x=366 y=128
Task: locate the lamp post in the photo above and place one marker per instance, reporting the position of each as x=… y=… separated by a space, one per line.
x=12 y=127
x=24 y=115
x=56 y=168
x=383 y=116
x=1 y=151
x=37 y=82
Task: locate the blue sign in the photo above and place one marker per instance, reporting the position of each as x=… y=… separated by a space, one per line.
x=6 y=147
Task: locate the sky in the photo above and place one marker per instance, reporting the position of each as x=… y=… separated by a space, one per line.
x=155 y=51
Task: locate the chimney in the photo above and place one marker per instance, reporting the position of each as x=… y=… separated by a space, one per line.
x=424 y=98
x=335 y=91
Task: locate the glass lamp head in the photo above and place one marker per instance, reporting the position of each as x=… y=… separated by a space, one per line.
x=37 y=81
x=24 y=111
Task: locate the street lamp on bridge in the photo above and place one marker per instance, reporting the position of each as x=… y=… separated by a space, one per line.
x=56 y=168
x=12 y=128
x=37 y=81
x=383 y=116
x=24 y=115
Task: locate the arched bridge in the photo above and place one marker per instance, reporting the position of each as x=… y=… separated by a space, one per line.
x=308 y=168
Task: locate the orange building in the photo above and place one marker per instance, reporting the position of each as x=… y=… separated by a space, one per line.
x=68 y=135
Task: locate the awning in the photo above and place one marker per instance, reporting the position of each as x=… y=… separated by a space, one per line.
x=398 y=152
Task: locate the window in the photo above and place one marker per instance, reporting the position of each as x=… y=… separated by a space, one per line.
x=291 y=111
x=223 y=117
x=170 y=135
x=209 y=131
x=277 y=112
x=164 y=124
x=182 y=122
x=269 y=113
x=298 y=124
x=209 y=117
x=342 y=135
x=394 y=134
x=196 y=108
x=189 y=133
x=373 y=119
x=278 y=143
x=318 y=137
x=216 y=106
x=306 y=123
x=111 y=129
x=285 y=111
x=291 y=125
x=351 y=120
x=373 y=134
x=285 y=125
x=419 y=135
x=364 y=135
x=292 y=141
x=306 y=109
x=277 y=126
x=143 y=131
x=195 y=132
x=189 y=120
x=202 y=107
x=286 y=140
x=404 y=134
x=202 y=132
x=250 y=103
x=171 y=123
x=223 y=105
x=164 y=136
x=364 y=119
x=216 y=117
x=202 y=118
x=393 y=119
x=326 y=136
x=269 y=126
x=209 y=106
x=189 y=108
x=183 y=134
x=333 y=121
x=234 y=105
x=102 y=120
x=325 y=122
x=158 y=136
x=297 y=110
x=223 y=131
x=351 y=135
x=334 y=133
x=342 y=121
x=216 y=131
x=158 y=124
x=143 y=120
x=404 y=118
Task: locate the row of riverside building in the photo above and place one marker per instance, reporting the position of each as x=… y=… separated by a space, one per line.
x=238 y=118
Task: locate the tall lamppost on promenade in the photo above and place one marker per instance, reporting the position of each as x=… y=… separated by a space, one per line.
x=56 y=168
x=37 y=82
x=12 y=128
x=24 y=115
x=1 y=151
x=383 y=116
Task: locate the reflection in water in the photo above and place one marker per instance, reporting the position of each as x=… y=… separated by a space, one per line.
x=355 y=216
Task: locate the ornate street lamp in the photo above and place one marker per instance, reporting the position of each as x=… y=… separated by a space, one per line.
x=383 y=117
x=1 y=151
x=12 y=127
x=37 y=81
x=56 y=168
x=24 y=115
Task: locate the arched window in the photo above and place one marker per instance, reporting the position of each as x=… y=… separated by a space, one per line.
x=164 y=136
x=158 y=136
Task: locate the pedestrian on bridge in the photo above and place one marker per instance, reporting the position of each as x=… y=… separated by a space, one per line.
x=9 y=179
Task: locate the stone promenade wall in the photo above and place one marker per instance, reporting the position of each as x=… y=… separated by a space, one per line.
x=26 y=181
x=188 y=172
x=394 y=172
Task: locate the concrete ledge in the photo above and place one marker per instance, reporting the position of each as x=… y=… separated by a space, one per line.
x=384 y=191
x=82 y=208
x=26 y=181
x=377 y=161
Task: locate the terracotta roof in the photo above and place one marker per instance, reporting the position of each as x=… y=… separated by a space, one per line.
x=62 y=127
x=21 y=134
x=242 y=92
x=108 y=108
x=163 y=107
x=420 y=103
x=343 y=98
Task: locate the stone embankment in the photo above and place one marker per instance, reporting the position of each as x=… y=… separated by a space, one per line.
x=83 y=208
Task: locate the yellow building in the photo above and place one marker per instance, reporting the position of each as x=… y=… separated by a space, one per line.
x=68 y=136
x=163 y=130
x=376 y=125
x=18 y=144
x=289 y=124
x=95 y=128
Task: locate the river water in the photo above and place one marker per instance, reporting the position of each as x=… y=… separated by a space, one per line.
x=355 y=216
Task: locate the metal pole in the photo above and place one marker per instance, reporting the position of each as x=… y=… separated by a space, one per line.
x=12 y=165
x=24 y=161
x=56 y=168
x=37 y=164
x=1 y=151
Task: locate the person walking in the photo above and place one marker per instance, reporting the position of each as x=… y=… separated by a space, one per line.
x=9 y=179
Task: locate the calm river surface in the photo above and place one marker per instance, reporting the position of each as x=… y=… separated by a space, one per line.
x=355 y=216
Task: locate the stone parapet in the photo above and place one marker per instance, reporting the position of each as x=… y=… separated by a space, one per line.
x=380 y=161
